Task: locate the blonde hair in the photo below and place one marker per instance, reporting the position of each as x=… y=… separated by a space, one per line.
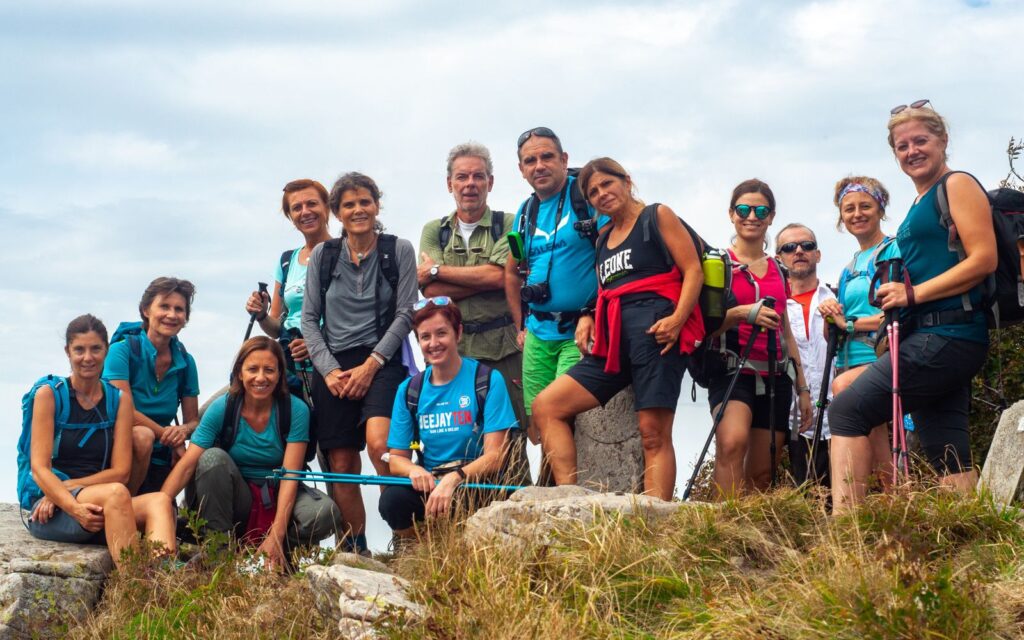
x=875 y=188
x=927 y=116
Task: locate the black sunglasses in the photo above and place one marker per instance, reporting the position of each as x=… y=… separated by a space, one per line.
x=744 y=210
x=543 y=132
x=917 y=104
x=806 y=245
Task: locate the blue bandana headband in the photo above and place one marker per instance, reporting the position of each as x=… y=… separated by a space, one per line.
x=879 y=197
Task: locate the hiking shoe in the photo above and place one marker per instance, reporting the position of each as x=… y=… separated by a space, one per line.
x=401 y=545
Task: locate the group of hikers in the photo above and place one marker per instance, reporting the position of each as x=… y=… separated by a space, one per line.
x=526 y=320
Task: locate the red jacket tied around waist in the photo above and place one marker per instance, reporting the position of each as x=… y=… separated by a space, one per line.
x=608 y=316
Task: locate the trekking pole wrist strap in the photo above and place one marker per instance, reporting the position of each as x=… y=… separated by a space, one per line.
x=754 y=310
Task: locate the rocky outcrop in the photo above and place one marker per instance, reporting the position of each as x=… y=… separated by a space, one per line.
x=609 y=456
x=359 y=593
x=45 y=586
x=533 y=514
x=1003 y=473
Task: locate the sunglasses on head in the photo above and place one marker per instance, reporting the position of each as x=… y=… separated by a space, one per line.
x=806 y=245
x=744 y=210
x=543 y=132
x=437 y=301
x=917 y=104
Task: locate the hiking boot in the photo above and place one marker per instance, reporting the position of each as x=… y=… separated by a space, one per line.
x=400 y=545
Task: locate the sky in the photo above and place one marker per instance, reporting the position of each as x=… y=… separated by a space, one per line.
x=141 y=141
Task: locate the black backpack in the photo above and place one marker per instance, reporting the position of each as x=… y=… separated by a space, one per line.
x=233 y=415
x=481 y=384
x=386 y=244
x=444 y=232
x=1003 y=290
x=580 y=208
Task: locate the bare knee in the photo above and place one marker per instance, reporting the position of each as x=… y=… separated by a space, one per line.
x=142 y=441
x=116 y=496
x=344 y=460
x=653 y=434
x=549 y=405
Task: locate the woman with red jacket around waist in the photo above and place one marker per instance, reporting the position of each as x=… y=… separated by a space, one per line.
x=646 y=323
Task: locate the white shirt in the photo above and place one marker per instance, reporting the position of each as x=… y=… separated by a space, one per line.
x=466 y=229
x=813 y=347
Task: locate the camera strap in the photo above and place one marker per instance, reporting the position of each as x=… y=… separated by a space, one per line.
x=554 y=234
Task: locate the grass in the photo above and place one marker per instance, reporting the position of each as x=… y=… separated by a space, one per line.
x=919 y=563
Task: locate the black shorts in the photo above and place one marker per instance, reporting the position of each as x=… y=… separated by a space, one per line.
x=745 y=392
x=341 y=422
x=656 y=378
x=935 y=387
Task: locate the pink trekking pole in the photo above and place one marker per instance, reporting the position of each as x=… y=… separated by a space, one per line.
x=892 y=271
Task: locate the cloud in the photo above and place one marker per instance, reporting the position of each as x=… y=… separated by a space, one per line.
x=120 y=150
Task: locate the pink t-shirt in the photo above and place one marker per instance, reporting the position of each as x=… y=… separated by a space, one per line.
x=743 y=287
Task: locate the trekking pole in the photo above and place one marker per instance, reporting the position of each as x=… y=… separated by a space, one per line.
x=831 y=349
x=721 y=409
x=772 y=365
x=252 y=316
x=384 y=481
x=899 y=432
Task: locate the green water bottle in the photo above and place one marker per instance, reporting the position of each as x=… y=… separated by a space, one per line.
x=712 y=294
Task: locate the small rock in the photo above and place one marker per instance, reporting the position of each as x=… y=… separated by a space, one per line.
x=344 y=592
x=346 y=559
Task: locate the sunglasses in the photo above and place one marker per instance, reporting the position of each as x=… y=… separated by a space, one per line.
x=917 y=104
x=806 y=245
x=543 y=132
x=744 y=210
x=437 y=301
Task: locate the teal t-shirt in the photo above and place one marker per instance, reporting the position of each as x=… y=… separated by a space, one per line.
x=854 y=285
x=257 y=454
x=293 y=290
x=924 y=245
x=558 y=255
x=447 y=416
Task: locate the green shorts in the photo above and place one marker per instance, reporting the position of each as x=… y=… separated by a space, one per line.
x=543 y=361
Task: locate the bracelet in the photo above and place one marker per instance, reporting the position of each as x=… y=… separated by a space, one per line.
x=800 y=390
x=461 y=473
x=379 y=359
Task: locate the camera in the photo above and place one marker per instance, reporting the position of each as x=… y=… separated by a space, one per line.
x=535 y=293
x=586 y=228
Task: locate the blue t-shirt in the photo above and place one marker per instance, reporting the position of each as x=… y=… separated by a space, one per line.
x=257 y=454
x=569 y=271
x=155 y=399
x=447 y=416
x=292 y=291
x=926 y=254
x=855 y=301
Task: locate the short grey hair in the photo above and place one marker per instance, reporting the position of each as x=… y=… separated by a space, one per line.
x=471 y=150
x=793 y=225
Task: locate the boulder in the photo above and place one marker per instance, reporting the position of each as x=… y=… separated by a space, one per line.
x=608 y=451
x=533 y=514
x=357 y=597
x=45 y=586
x=1003 y=473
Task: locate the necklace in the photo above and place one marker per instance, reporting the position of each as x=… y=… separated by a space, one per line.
x=362 y=254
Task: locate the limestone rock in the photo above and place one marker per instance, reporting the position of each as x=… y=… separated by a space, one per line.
x=357 y=561
x=45 y=586
x=533 y=514
x=608 y=450
x=1003 y=473
x=356 y=597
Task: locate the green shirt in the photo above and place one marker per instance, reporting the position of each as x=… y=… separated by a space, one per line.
x=485 y=306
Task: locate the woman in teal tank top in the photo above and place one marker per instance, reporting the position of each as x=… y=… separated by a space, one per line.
x=861 y=201
x=942 y=345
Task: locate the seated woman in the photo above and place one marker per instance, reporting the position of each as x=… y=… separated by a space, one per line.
x=245 y=434
x=74 y=460
x=649 y=279
x=458 y=439
x=149 y=363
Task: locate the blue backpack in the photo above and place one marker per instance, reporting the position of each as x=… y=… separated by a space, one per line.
x=850 y=270
x=130 y=332
x=28 y=490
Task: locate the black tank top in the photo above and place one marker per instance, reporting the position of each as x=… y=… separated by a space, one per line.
x=75 y=457
x=641 y=255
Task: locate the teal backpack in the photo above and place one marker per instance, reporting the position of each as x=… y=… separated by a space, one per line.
x=130 y=332
x=28 y=490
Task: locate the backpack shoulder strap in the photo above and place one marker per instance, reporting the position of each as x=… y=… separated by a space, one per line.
x=284 y=418
x=481 y=385
x=386 y=246
x=328 y=260
x=113 y=401
x=232 y=417
x=286 y=262
x=649 y=220
x=412 y=404
x=444 y=234
x=497 y=225
x=953 y=242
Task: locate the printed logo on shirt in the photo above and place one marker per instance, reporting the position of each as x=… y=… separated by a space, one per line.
x=547 y=248
x=463 y=402
x=616 y=266
x=445 y=422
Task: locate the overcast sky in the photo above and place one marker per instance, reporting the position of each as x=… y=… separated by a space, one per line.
x=143 y=140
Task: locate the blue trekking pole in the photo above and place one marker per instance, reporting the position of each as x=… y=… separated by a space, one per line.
x=384 y=481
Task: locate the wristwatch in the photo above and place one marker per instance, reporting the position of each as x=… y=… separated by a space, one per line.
x=849 y=325
x=800 y=390
x=434 y=271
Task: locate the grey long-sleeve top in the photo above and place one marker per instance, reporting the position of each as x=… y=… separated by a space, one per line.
x=351 y=318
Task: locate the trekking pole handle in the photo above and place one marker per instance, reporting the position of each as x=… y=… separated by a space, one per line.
x=262 y=287
x=769 y=301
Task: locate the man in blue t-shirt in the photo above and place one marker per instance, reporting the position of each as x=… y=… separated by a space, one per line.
x=457 y=441
x=553 y=278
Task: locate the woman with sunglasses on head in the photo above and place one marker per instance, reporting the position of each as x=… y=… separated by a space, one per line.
x=861 y=201
x=304 y=204
x=458 y=439
x=742 y=440
x=646 y=323
x=356 y=315
x=943 y=334
x=74 y=462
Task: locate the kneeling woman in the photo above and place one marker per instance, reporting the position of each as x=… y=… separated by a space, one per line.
x=649 y=278
x=74 y=462
x=245 y=434
x=459 y=439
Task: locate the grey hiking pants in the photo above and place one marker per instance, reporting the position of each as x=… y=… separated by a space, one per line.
x=222 y=497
